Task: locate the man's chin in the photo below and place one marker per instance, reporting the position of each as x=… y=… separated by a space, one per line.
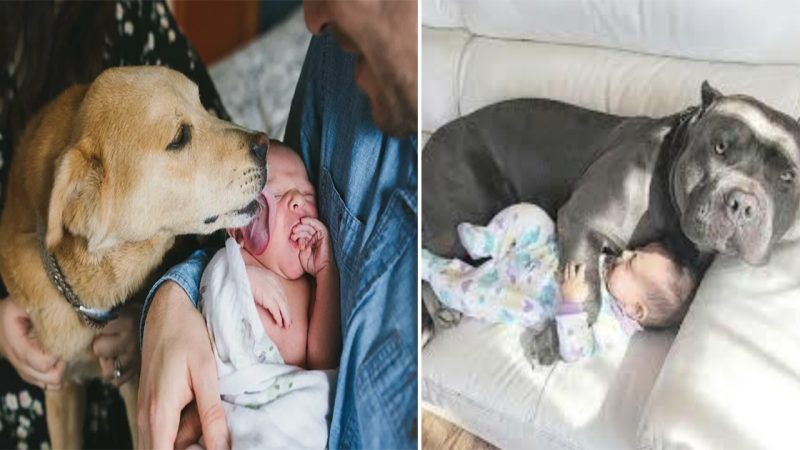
x=395 y=128
x=390 y=121
x=388 y=112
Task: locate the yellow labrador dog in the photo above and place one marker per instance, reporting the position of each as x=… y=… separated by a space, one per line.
x=103 y=180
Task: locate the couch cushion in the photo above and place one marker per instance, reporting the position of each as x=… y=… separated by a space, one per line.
x=441 y=13
x=612 y=81
x=477 y=376
x=732 y=377
x=762 y=32
x=460 y=76
x=440 y=89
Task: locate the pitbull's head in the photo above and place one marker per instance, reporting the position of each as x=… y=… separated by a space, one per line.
x=735 y=182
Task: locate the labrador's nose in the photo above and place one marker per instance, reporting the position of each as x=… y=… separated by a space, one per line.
x=259 y=146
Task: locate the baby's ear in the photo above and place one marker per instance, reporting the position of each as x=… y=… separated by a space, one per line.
x=686 y=285
x=640 y=312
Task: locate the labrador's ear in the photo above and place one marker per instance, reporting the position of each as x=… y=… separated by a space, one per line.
x=74 y=198
x=708 y=94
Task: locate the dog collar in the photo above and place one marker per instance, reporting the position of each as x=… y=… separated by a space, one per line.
x=93 y=317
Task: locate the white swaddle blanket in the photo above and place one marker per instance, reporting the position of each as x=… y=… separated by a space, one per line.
x=268 y=404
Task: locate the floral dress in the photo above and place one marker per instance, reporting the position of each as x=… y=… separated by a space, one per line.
x=146 y=34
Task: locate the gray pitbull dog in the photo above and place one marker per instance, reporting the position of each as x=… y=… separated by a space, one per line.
x=715 y=178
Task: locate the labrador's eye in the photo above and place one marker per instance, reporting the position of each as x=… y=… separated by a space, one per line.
x=787 y=176
x=182 y=138
x=720 y=148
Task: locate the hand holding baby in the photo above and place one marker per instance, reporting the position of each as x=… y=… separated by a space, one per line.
x=315 y=245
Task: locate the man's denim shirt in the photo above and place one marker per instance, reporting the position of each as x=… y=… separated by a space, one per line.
x=366 y=185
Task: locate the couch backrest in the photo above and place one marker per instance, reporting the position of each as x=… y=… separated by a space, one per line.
x=620 y=56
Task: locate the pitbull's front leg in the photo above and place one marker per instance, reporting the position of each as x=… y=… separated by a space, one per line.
x=580 y=244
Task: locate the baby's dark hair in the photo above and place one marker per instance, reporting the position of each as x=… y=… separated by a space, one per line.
x=667 y=305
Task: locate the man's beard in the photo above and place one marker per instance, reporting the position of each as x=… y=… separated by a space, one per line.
x=393 y=108
x=392 y=96
x=393 y=114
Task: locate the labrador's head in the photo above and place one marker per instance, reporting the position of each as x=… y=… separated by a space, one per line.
x=147 y=158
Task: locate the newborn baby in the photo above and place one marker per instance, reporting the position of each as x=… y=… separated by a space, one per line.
x=272 y=310
x=518 y=284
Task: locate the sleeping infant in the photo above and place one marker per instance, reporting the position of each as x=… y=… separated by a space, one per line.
x=271 y=303
x=519 y=285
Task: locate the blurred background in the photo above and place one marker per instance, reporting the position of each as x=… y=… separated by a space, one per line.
x=250 y=47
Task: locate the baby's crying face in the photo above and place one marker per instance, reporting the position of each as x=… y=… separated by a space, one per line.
x=287 y=198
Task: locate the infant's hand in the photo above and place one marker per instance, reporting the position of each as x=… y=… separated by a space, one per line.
x=574 y=288
x=268 y=292
x=315 y=244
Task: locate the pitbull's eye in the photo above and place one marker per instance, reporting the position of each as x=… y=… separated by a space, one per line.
x=720 y=148
x=182 y=138
x=787 y=176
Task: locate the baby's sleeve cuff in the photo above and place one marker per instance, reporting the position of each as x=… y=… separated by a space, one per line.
x=566 y=307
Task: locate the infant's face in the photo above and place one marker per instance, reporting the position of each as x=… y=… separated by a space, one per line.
x=635 y=273
x=294 y=199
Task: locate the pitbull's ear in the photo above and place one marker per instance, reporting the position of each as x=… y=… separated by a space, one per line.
x=74 y=198
x=708 y=94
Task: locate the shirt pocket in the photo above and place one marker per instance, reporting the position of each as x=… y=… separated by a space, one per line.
x=344 y=228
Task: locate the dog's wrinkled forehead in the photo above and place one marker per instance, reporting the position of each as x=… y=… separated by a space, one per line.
x=766 y=124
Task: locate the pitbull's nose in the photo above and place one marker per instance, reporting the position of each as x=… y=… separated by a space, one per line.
x=259 y=146
x=740 y=206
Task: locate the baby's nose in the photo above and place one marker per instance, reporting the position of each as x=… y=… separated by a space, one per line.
x=297 y=201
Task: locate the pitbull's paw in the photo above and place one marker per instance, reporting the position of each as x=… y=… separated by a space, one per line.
x=541 y=346
x=441 y=316
x=447 y=317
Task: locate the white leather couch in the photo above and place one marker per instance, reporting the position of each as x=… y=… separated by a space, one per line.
x=730 y=377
